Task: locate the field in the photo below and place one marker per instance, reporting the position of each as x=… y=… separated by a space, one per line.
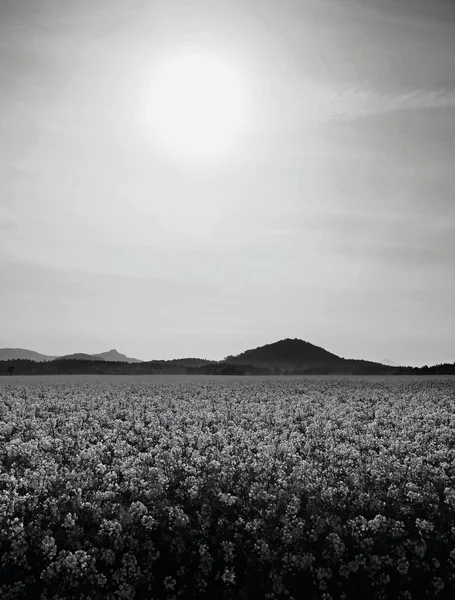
x=233 y=488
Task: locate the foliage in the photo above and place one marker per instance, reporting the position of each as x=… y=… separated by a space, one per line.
x=230 y=488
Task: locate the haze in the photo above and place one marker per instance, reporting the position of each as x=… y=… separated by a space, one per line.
x=330 y=217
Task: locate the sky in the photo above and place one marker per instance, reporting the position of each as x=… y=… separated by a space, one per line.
x=331 y=218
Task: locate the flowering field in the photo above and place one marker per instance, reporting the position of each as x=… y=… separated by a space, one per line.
x=230 y=488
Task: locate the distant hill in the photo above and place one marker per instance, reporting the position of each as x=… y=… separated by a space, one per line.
x=79 y=356
x=388 y=362
x=285 y=353
x=115 y=356
x=298 y=357
x=23 y=354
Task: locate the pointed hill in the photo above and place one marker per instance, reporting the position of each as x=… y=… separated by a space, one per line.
x=295 y=356
x=115 y=356
x=285 y=353
x=79 y=356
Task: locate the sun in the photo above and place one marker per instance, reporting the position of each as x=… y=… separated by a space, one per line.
x=197 y=105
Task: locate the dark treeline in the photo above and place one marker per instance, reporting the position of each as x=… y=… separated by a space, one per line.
x=441 y=369
x=175 y=367
x=94 y=367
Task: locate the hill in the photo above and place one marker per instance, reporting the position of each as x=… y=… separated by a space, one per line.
x=115 y=356
x=298 y=357
x=79 y=356
x=23 y=354
x=289 y=353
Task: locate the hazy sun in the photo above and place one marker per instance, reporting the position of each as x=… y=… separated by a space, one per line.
x=197 y=105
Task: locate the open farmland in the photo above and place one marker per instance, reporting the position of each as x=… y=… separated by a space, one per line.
x=236 y=488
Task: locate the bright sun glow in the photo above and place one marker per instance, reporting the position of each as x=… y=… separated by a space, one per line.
x=197 y=105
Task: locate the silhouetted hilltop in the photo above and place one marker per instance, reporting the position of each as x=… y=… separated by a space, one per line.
x=23 y=354
x=288 y=352
x=115 y=356
x=298 y=357
x=79 y=356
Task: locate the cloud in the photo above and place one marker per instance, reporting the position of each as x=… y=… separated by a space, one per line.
x=318 y=103
x=312 y=103
x=356 y=103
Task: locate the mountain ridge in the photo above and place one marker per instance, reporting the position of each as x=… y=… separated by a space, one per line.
x=290 y=356
x=78 y=356
x=25 y=354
